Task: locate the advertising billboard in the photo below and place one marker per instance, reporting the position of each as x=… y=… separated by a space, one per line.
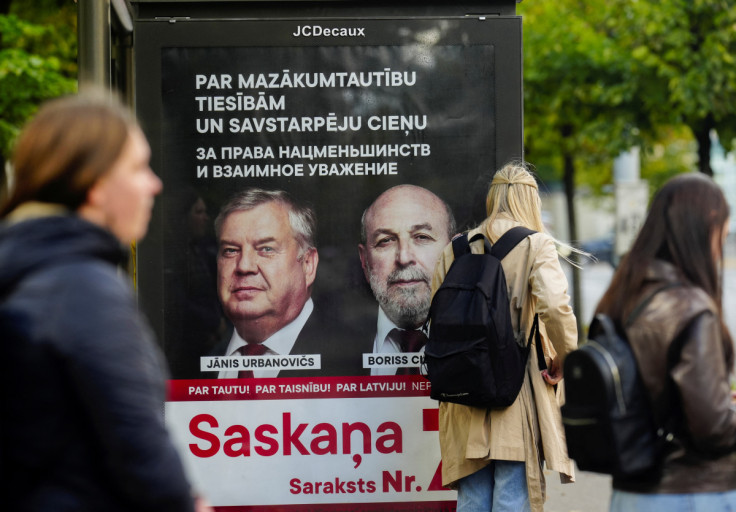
x=304 y=128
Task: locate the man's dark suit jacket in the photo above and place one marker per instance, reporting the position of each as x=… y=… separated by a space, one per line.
x=337 y=344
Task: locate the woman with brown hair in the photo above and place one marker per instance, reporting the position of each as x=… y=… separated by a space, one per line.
x=683 y=349
x=82 y=389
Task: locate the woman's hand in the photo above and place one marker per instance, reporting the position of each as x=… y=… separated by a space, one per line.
x=201 y=505
x=553 y=374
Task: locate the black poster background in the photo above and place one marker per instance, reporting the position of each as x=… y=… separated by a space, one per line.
x=468 y=86
x=455 y=91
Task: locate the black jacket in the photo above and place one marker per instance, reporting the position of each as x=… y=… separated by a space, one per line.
x=82 y=386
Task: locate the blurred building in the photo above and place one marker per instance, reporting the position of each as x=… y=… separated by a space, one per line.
x=724 y=171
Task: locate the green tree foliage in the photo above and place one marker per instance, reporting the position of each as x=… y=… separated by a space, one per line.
x=38 y=52
x=580 y=92
x=580 y=103
x=684 y=52
x=602 y=75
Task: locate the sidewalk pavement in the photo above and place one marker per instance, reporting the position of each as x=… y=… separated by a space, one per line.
x=591 y=492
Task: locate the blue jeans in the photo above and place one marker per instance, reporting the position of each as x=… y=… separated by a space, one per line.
x=500 y=487
x=701 y=502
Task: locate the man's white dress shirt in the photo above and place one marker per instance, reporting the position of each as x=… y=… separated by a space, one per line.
x=383 y=344
x=279 y=343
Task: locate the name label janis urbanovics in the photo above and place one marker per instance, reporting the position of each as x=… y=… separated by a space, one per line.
x=317 y=30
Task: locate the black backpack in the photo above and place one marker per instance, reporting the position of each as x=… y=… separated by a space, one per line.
x=472 y=357
x=608 y=418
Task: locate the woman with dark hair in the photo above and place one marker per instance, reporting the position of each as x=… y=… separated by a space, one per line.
x=683 y=349
x=82 y=389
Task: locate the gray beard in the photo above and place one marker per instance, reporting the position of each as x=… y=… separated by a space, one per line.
x=407 y=309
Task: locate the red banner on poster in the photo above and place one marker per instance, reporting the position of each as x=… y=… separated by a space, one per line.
x=325 y=442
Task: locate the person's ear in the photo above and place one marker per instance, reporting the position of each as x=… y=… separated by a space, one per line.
x=363 y=257
x=95 y=195
x=310 y=261
x=92 y=208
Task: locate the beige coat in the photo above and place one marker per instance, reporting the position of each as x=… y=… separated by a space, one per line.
x=531 y=428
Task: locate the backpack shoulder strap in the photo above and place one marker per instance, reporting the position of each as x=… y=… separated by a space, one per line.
x=486 y=242
x=509 y=240
x=645 y=302
x=460 y=245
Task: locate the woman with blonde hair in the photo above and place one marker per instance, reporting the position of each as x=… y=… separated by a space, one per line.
x=82 y=389
x=494 y=457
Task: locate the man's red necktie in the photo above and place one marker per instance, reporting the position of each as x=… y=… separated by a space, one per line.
x=409 y=341
x=250 y=349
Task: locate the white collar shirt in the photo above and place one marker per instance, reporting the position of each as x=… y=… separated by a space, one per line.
x=383 y=344
x=279 y=343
